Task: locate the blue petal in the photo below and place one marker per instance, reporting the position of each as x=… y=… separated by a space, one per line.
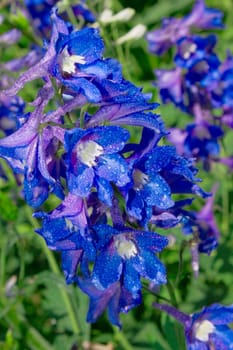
x=222 y=338
x=131 y=277
x=87 y=43
x=159 y=158
x=219 y=314
x=107 y=269
x=105 y=191
x=114 y=168
x=80 y=183
x=158 y=193
x=70 y=261
x=88 y=89
x=150 y=267
x=111 y=138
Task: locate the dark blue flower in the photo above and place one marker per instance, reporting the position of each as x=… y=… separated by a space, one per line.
x=93 y=159
x=156 y=176
x=65 y=230
x=126 y=254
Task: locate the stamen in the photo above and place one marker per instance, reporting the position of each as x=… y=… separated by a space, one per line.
x=68 y=62
x=140 y=179
x=88 y=152
x=203 y=329
x=125 y=248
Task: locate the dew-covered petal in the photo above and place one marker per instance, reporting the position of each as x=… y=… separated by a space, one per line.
x=131 y=277
x=150 y=241
x=113 y=167
x=105 y=190
x=70 y=261
x=150 y=267
x=159 y=158
x=157 y=192
x=108 y=268
x=81 y=180
x=85 y=87
x=87 y=43
x=111 y=138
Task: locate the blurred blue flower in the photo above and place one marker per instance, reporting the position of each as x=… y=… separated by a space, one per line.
x=173 y=29
x=207 y=329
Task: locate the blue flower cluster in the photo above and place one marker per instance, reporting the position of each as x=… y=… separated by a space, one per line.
x=76 y=143
x=200 y=84
x=110 y=187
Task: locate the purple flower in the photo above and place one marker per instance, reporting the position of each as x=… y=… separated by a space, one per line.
x=161 y=40
x=11 y=113
x=93 y=159
x=174 y=29
x=203 y=17
x=31 y=150
x=10 y=37
x=207 y=329
x=170 y=84
x=202 y=225
x=116 y=298
x=65 y=229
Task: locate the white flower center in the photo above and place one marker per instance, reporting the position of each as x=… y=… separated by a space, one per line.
x=189 y=50
x=68 y=61
x=203 y=329
x=140 y=179
x=125 y=248
x=88 y=152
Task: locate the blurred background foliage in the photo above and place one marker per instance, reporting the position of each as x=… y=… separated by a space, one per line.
x=38 y=311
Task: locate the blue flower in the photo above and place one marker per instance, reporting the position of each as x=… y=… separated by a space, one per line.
x=156 y=176
x=26 y=150
x=11 y=113
x=173 y=29
x=126 y=254
x=195 y=49
x=93 y=159
x=207 y=329
x=204 y=17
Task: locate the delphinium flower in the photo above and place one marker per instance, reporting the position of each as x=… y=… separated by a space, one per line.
x=199 y=85
x=173 y=29
x=204 y=230
x=207 y=329
x=78 y=147
x=39 y=13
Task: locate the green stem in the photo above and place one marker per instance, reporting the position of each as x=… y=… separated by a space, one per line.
x=180 y=266
x=2 y=264
x=178 y=328
x=36 y=341
x=121 y=339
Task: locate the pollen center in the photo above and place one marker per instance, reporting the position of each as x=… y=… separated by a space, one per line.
x=88 y=152
x=140 y=179
x=68 y=61
x=125 y=248
x=203 y=329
